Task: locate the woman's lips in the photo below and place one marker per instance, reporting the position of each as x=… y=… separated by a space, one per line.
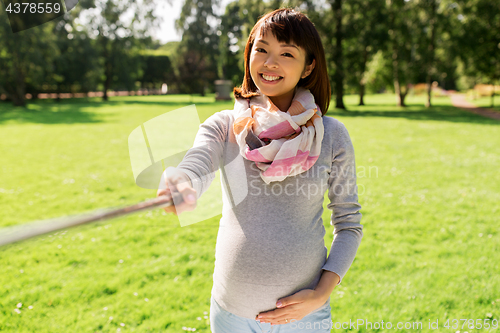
x=270 y=81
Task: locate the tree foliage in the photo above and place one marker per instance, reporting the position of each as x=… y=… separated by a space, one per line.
x=118 y=40
x=26 y=58
x=196 y=60
x=370 y=45
x=479 y=40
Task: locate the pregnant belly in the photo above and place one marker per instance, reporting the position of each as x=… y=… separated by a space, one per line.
x=281 y=258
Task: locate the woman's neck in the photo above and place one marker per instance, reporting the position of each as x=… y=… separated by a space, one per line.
x=283 y=102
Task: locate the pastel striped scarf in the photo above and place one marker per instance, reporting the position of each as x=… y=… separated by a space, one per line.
x=281 y=143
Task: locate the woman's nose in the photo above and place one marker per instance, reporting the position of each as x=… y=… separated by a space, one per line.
x=271 y=62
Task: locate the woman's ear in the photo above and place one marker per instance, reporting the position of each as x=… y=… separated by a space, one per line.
x=308 y=69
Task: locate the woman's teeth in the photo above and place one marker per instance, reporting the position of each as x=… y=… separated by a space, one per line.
x=271 y=78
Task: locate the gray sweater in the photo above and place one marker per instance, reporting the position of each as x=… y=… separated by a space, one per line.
x=270 y=242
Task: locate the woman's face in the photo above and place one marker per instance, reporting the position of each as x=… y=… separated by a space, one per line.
x=277 y=67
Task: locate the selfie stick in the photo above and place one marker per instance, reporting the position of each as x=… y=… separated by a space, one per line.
x=18 y=233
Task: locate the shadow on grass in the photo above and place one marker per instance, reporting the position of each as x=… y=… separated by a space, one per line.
x=69 y=111
x=413 y=112
x=66 y=111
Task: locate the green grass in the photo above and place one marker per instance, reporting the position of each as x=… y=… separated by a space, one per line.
x=485 y=102
x=428 y=184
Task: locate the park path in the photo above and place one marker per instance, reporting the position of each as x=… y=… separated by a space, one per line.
x=459 y=101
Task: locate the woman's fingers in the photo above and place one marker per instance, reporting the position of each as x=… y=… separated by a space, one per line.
x=176 y=181
x=166 y=192
x=188 y=193
x=162 y=192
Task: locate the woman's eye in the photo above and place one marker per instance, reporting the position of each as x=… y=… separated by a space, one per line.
x=288 y=55
x=259 y=49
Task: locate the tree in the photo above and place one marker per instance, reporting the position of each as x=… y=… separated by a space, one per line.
x=431 y=11
x=446 y=48
x=366 y=34
x=76 y=68
x=118 y=39
x=480 y=39
x=157 y=70
x=323 y=13
x=337 y=54
x=198 y=51
x=230 y=64
x=26 y=57
x=406 y=40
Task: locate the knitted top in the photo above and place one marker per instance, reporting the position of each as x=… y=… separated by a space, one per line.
x=270 y=242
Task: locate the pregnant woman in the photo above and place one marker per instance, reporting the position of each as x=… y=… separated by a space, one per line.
x=272 y=272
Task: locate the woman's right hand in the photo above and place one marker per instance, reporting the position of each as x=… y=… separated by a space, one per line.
x=174 y=180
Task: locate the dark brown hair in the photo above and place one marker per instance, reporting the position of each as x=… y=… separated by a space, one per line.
x=289 y=25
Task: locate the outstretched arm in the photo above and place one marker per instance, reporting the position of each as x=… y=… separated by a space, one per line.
x=197 y=170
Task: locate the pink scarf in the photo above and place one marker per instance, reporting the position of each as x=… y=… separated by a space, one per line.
x=280 y=143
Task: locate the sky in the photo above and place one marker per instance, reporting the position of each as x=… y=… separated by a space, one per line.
x=170 y=13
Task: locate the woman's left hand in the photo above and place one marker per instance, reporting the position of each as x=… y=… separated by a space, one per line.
x=294 y=307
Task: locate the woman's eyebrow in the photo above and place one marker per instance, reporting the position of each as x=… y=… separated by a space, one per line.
x=290 y=45
x=282 y=45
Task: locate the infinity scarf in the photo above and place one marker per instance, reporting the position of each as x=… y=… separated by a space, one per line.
x=280 y=143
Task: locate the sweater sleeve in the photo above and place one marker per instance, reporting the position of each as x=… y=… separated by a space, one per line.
x=343 y=196
x=202 y=161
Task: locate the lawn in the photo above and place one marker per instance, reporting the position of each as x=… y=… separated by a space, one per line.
x=485 y=102
x=428 y=184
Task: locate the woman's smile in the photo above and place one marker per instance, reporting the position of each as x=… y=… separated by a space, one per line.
x=276 y=67
x=270 y=78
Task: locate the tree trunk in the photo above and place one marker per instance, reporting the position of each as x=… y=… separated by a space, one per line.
x=107 y=81
x=58 y=92
x=428 y=102
x=337 y=55
x=400 y=95
x=108 y=67
x=18 y=91
x=17 y=95
x=361 y=94
x=430 y=60
x=493 y=96
x=362 y=81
